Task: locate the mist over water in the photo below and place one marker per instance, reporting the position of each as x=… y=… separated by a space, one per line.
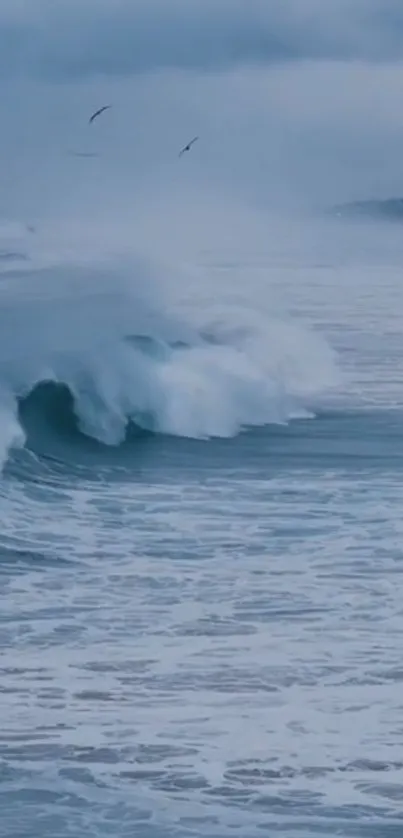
x=135 y=346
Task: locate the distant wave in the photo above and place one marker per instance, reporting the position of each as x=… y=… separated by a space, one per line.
x=91 y=354
x=390 y=209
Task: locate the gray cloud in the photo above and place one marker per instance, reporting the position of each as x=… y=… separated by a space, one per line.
x=83 y=38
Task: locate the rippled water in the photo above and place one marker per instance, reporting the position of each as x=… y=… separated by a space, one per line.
x=203 y=638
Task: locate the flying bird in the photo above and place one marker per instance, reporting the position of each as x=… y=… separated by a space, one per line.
x=188 y=146
x=98 y=112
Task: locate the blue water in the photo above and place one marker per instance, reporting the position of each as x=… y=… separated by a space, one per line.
x=201 y=543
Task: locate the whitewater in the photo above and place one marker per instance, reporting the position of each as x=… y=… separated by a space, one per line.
x=110 y=344
x=200 y=548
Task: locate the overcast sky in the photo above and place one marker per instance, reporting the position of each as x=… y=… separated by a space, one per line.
x=294 y=100
x=77 y=38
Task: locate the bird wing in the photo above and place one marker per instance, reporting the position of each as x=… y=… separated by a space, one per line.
x=98 y=112
x=187 y=147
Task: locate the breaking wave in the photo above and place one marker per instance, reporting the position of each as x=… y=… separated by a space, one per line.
x=95 y=352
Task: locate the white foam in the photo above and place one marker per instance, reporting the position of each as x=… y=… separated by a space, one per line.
x=11 y=434
x=196 y=375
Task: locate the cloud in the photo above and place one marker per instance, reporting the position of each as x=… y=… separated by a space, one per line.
x=60 y=39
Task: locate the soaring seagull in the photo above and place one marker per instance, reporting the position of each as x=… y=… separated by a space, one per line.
x=98 y=112
x=188 y=146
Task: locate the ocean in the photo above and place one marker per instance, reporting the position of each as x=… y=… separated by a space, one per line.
x=201 y=537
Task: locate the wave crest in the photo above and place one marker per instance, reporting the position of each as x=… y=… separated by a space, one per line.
x=79 y=369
